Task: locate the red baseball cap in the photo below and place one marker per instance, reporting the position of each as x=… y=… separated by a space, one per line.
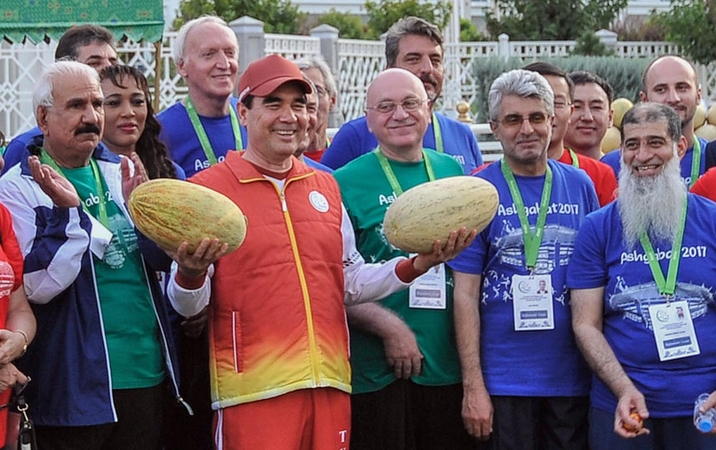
x=265 y=75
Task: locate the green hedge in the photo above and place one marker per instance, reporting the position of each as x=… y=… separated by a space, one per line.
x=623 y=74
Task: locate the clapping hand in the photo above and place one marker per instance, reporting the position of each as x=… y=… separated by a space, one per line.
x=58 y=188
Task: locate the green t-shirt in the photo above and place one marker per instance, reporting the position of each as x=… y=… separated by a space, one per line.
x=367 y=194
x=130 y=324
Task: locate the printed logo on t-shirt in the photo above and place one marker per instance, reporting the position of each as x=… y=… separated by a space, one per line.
x=7 y=278
x=387 y=200
x=318 y=201
x=554 y=208
x=200 y=165
x=634 y=301
x=694 y=251
x=124 y=242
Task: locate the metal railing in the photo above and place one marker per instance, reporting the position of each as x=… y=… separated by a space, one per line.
x=354 y=62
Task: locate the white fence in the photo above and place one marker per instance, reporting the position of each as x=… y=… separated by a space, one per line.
x=354 y=62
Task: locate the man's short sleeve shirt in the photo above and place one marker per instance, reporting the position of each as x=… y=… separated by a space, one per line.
x=529 y=363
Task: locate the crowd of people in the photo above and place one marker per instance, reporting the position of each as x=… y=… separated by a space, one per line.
x=579 y=318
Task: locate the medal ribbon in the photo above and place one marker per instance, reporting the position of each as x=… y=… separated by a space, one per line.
x=667 y=286
x=532 y=241
x=695 y=162
x=438 y=135
x=575 y=161
x=390 y=175
x=201 y=133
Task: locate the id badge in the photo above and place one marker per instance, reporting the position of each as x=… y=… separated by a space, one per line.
x=674 y=330
x=428 y=290
x=532 y=302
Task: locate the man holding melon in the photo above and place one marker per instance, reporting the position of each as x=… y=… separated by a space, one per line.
x=278 y=335
x=642 y=281
x=403 y=354
x=525 y=383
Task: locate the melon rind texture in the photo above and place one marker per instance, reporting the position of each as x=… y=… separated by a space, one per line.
x=432 y=210
x=170 y=212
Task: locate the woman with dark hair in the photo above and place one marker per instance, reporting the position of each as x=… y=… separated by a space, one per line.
x=130 y=124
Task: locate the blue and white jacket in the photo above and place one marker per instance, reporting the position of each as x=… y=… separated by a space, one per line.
x=68 y=360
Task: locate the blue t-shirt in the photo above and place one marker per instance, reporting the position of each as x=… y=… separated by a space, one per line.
x=16 y=151
x=316 y=165
x=183 y=144
x=612 y=159
x=354 y=139
x=539 y=363
x=601 y=260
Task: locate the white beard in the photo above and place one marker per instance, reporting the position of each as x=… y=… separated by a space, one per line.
x=651 y=204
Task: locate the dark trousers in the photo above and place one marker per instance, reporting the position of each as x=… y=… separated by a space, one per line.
x=139 y=425
x=181 y=428
x=409 y=416
x=540 y=423
x=677 y=433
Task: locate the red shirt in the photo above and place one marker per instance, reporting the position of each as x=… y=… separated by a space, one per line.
x=706 y=185
x=605 y=182
x=11 y=274
x=315 y=155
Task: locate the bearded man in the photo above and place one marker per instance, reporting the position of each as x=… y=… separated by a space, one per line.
x=672 y=80
x=642 y=278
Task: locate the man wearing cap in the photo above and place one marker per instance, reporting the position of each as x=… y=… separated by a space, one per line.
x=278 y=336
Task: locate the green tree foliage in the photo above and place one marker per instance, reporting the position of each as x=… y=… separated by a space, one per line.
x=588 y=44
x=384 y=13
x=551 y=19
x=691 y=24
x=350 y=25
x=623 y=74
x=279 y=16
x=469 y=32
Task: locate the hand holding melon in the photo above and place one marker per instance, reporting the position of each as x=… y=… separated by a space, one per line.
x=170 y=212
x=438 y=210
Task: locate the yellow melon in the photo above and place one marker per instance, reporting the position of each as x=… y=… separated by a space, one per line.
x=620 y=107
x=612 y=140
x=699 y=116
x=706 y=131
x=430 y=211
x=170 y=212
x=711 y=115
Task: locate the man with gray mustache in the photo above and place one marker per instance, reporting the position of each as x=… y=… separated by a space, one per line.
x=102 y=352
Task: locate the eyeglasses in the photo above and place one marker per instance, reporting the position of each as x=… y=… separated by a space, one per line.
x=388 y=107
x=516 y=120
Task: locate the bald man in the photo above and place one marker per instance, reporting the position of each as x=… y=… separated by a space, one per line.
x=405 y=364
